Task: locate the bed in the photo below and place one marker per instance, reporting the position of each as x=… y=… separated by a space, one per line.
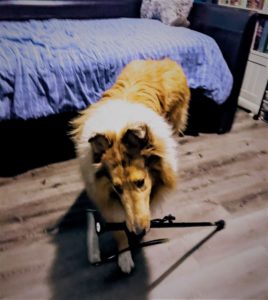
x=58 y=57
x=53 y=66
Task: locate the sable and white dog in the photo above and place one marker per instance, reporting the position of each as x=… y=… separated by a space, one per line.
x=126 y=145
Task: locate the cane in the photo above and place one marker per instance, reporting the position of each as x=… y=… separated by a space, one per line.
x=97 y=226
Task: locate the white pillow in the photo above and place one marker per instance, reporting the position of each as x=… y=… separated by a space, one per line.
x=170 y=12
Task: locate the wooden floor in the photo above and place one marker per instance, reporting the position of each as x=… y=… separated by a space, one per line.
x=43 y=238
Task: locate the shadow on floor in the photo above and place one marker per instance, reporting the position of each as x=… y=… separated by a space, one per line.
x=71 y=275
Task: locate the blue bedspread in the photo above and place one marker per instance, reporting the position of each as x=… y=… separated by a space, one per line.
x=54 y=66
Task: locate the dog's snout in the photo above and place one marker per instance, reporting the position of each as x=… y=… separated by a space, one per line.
x=140 y=232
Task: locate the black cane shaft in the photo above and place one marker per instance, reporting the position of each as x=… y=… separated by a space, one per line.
x=122 y=226
x=181 y=225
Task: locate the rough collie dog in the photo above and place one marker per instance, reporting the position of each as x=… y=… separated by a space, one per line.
x=126 y=144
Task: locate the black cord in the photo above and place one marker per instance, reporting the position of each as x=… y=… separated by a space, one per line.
x=139 y=245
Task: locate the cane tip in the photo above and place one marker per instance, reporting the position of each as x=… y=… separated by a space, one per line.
x=220 y=224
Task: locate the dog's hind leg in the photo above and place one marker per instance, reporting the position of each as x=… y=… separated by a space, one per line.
x=93 y=248
x=125 y=261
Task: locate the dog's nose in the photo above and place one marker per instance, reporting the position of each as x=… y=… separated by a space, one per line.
x=140 y=232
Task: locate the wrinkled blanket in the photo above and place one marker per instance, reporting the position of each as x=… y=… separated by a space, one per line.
x=53 y=66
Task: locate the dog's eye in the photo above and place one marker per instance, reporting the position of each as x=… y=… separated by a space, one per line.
x=139 y=183
x=118 y=188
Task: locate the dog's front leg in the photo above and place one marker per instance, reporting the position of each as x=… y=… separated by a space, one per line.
x=125 y=260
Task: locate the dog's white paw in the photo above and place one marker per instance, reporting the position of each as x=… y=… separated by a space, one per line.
x=125 y=262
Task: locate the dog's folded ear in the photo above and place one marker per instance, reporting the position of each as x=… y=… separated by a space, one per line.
x=99 y=143
x=136 y=138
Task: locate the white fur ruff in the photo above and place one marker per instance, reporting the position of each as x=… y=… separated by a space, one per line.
x=115 y=116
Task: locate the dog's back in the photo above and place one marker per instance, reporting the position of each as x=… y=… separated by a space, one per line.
x=160 y=85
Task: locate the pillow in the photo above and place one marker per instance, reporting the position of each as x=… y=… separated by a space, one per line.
x=170 y=12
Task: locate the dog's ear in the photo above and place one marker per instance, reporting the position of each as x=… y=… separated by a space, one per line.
x=99 y=143
x=152 y=160
x=136 y=138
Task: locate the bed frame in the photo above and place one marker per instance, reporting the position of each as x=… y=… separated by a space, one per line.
x=33 y=143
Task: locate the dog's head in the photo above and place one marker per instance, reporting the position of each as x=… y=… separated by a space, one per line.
x=134 y=170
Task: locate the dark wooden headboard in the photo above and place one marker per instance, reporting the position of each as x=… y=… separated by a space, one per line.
x=86 y=9
x=231 y=28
